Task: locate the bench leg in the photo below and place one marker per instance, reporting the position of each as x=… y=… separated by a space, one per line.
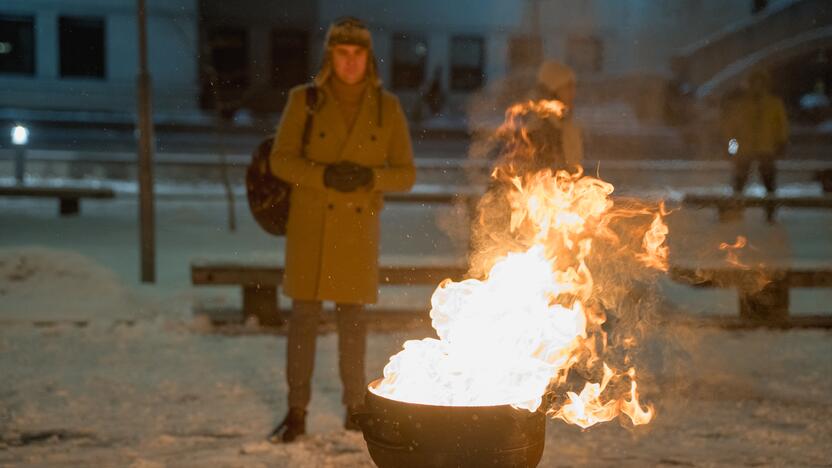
x=261 y=302
x=69 y=206
x=771 y=211
x=20 y=164
x=770 y=304
x=729 y=212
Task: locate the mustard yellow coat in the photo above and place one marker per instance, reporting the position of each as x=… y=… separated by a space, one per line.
x=758 y=124
x=332 y=238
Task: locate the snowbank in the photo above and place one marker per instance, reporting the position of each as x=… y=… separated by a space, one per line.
x=43 y=284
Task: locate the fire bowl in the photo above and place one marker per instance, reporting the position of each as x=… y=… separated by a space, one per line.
x=402 y=434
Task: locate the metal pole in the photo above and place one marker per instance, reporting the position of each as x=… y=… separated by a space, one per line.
x=20 y=163
x=147 y=242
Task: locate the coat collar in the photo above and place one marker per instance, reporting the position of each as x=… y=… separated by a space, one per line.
x=366 y=116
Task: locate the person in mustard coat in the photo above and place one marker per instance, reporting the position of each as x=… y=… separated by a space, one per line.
x=755 y=128
x=357 y=146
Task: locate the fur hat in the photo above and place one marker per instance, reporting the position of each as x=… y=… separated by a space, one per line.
x=554 y=75
x=350 y=31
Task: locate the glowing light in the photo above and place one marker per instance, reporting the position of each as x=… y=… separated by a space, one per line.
x=20 y=135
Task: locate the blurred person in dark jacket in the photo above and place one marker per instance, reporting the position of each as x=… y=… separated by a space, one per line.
x=755 y=129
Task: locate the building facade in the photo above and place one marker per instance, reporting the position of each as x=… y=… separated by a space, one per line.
x=216 y=54
x=83 y=54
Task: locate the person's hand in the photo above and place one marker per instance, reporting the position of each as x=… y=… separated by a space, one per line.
x=347 y=176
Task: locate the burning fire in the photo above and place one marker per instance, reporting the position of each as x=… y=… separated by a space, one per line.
x=511 y=334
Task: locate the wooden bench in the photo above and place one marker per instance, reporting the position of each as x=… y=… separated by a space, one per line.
x=728 y=207
x=763 y=293
x=260 y=283
x=69 y=198
x=469 y=197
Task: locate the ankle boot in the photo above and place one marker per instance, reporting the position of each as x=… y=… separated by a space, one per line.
x=293 y=425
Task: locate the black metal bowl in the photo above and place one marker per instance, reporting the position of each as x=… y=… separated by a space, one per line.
x=405 y=435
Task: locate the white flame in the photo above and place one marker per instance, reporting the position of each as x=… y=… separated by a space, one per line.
x=493 y=348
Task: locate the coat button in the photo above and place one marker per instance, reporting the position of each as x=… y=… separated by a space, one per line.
x=372 y=138
x=358 y=210
x=331 y=206
x=322 y=134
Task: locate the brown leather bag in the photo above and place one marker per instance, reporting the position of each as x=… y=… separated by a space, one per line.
x=268 y=196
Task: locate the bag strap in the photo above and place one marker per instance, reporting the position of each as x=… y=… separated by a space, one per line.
x=311 y=103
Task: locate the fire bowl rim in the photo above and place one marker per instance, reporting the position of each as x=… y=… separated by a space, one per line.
x=375 y=383
x=400 y=434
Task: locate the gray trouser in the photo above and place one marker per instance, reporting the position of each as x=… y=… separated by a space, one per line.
x=766 y=166
x=300 y=356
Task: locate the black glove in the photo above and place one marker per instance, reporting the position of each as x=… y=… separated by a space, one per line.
x=346 y=176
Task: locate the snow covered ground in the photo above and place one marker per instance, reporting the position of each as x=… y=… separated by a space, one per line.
x=167 y=392
x=97 y=369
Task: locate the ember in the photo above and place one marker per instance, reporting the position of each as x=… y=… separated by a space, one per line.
x=731 y=250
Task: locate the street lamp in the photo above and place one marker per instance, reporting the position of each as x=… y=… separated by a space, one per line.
x=20 y=138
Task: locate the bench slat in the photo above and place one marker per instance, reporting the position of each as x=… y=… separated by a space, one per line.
x=399 y=275
x=733 y=277
x=810 y=278
x=253 y=275
x=432 y=197
x=236 y=275
x=722 y=201
x=56 y=192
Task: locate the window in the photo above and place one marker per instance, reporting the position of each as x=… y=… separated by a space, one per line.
x=82 y=47
x=17 y=45
x=225 y=69
x=229 y=56
x=585 y=53
x=410 y=53
x=290 y=58
x=467 y=62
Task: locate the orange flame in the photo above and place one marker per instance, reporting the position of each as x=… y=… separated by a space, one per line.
x=632 y=408
x=731 y=255
x=512 y=334
x=588 y=408
x=655 y=250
